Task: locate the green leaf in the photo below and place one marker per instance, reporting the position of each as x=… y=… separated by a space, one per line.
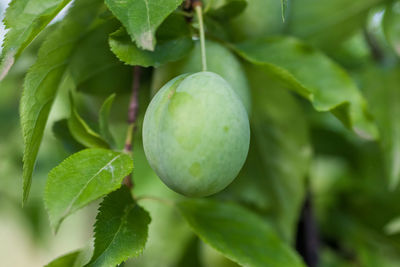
x=121 y=229
x=62 y=133
x=141 y=18
x=72 y=259
x=103 y=120
x=25 y=19
x=127 y=51
x=382 y=91
x=284 y=7
x=391 y=25
x=174 y=43
x=224 y=9
x=237 y=233
x=44 y=77
x=94 y=68
x=275 y=185
x=254 y=21
x=66 y=260
x=82 y=178
x=328 y=22
x=81 y=131
x=314 y=76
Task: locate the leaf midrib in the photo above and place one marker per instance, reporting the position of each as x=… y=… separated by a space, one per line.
x=146 y=2
x=85 y=186
x=127 y=210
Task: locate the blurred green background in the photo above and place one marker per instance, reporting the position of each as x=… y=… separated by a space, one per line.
x=25 y=233
x=358 y=216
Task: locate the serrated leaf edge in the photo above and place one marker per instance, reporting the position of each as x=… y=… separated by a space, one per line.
x=126 y=213
x=56 y=225
x=9 y=54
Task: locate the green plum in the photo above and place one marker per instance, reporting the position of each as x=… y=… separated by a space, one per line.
x=219 y=60
x=196 y=134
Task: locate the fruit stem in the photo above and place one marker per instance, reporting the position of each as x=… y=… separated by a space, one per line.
x=132 y=116
x=161 y=200
x=199 y=12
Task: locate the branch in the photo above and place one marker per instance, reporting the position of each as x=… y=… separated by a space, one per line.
x=376 y=50
x=307 y=240
x=132 y=117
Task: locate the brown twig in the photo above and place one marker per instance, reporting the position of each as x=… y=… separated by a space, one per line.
x=196 y=3
x=307 y=239
x=132 y=117
x=189 y=6
x=374 y=46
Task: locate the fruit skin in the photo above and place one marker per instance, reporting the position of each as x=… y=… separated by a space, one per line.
x=196 y=134
x=219 y=60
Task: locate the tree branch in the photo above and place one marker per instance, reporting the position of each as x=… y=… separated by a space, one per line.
x=132 y=117
x=307 y=240
x=376 y=50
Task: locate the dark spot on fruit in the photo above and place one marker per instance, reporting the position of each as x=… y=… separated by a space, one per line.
x=171 y=94
x=180 y=99
x=195 y=169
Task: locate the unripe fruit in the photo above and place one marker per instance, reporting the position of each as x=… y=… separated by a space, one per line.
x=196 y=134
x=220 y=60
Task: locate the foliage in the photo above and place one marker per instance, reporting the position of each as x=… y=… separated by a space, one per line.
x=120 y=229
x=88 y=175
x=142 y=18
x=237 y=233
x=320 y=83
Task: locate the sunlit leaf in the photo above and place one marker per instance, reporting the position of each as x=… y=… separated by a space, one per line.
x=44 y=77
x=25 y=19
x=82 y=178
x=175 y=42
x=141 y=18
x=313 y=76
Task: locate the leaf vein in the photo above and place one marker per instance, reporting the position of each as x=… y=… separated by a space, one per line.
x=87 y=183
x=123 y=222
